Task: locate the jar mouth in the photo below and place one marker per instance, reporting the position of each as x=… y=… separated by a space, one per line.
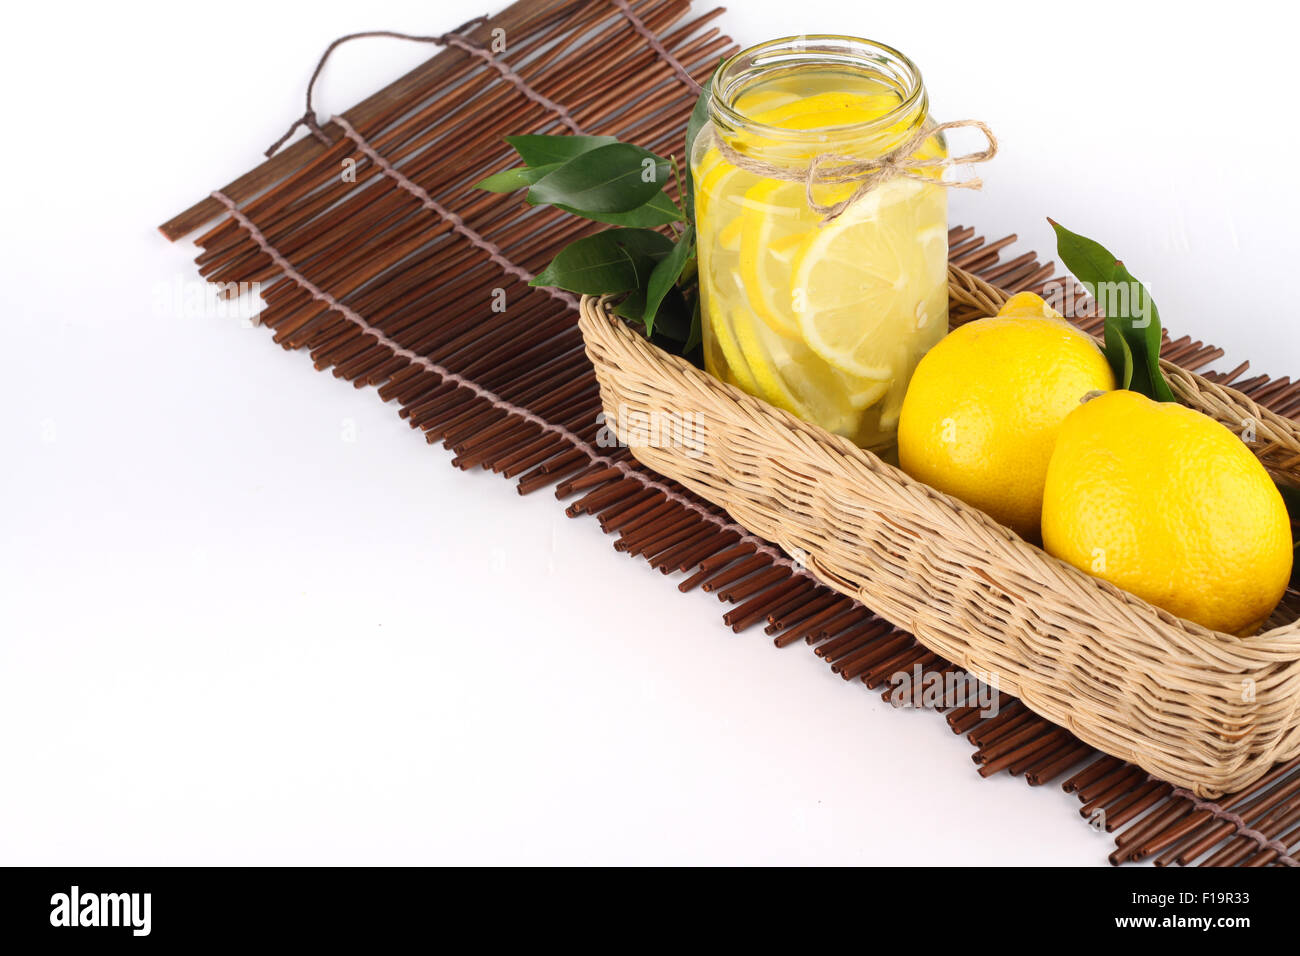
x=823 y=49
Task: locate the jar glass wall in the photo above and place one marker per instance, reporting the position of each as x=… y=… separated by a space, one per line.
x=826 y=319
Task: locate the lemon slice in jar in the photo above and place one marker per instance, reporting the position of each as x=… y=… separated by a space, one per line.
x=765 y=260
x=777 y=374
x=788 y=375
x=868 y=277
x=729 y=235
x=714 y=170
x=829 y=110
x=755 y=102
x=715 y=179
x=733 y=361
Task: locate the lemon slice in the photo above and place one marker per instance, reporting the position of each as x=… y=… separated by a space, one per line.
x=713 y=172
x=716 y=175
x=733 y=361
x=862 y=393
x=767 y=376
x=765 y=260
x=729 y=235
x=869 y=277
x=829 y=119
x=823 y=111
x=828 y=110
x=892 y=410
x=754 y=102
x=788 y=375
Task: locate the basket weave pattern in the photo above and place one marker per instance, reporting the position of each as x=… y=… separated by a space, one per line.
x=1203 y=710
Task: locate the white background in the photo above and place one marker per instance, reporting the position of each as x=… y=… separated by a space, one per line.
x=227 y=635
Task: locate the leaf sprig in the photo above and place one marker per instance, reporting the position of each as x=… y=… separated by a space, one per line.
x=1132 y=330
x=616 y=184
x=623 y=185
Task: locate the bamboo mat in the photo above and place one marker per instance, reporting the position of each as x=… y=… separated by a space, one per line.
x=389 y=280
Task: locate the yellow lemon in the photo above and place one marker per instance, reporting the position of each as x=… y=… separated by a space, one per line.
x=1028 y=304
x=1167 y=503
x=983 y=409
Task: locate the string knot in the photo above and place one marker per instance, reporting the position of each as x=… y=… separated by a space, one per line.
x=832 y=169
x=307 y=119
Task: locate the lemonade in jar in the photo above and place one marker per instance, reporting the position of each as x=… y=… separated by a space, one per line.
x=820 y=305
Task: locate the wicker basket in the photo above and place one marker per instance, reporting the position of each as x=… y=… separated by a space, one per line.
x=1200 y=709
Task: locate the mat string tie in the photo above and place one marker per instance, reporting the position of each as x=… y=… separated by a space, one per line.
x=657 y=45
x=1239 y=823
x=452 y=38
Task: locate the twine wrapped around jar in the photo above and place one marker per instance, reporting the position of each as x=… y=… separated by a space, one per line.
x=830 y=169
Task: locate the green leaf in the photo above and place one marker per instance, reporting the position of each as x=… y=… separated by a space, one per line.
x=1132 y=318
x=617 y=260
x=1144 y=339
x=508 y=180
x=699 y=116
x=542 y=150
x=659 y=211
x=632 y=307
x=694 y=338
x=665 y=276
x=1120 y=356
x=619 y=177
x=1092 y=260
x=672 y=327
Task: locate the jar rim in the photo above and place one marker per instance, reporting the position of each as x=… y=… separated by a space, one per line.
x=849 y=50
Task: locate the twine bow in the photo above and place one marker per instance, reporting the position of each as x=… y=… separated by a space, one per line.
x=308 y=119
x=829 y=169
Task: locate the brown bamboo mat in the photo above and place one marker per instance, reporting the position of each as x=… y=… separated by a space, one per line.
x=389 y=281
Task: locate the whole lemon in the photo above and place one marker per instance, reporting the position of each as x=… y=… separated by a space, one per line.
x=1167 y=503
x=982 y=411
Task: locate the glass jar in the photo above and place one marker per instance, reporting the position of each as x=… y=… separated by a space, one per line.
x=826 y=318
